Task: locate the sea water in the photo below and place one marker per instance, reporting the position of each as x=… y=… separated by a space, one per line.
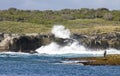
x=20 y=64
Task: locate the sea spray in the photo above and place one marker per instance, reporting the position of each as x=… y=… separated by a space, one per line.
x=70 y=48
x=74 y=48
x=60 y=31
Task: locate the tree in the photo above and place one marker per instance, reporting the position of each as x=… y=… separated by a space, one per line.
x=12 y=9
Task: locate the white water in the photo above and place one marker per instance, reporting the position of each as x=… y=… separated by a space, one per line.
x=14 y=54
x=60 y=31
x=71 y=48
x=113 y=51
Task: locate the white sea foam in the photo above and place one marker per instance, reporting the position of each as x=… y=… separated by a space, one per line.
x=113 y=51
x=13 y=54
x=71 y=48
x=74 y=48
x=60 y=31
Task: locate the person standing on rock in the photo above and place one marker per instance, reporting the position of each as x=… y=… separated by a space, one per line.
x=105 y=53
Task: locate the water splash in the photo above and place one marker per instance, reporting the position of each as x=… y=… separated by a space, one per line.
x=71 y=48
x=74 y=48
x=60 y=32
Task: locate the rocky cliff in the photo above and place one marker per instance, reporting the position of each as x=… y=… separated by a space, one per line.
x=30 y=42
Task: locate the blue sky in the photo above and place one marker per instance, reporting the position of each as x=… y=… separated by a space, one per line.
x=59 y=4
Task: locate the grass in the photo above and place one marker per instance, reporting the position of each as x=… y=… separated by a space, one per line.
x=96 y=29
x=91 y=26
x=82 y=26
x=19 y=27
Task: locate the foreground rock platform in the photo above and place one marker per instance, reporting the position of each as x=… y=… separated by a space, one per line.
x=108 y=60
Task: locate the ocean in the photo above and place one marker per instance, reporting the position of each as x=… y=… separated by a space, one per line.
x=23 y=64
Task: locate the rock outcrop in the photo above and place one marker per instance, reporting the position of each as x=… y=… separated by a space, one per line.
x=101 y=41
x=30 y=42
x=23 y=42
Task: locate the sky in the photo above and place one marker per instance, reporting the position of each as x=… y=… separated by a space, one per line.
x=59 y=4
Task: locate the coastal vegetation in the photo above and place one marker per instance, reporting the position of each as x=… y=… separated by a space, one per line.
x=84 y=20
x=81 y=26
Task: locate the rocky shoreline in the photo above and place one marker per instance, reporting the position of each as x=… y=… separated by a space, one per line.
x=108 y=60
x=29 y=42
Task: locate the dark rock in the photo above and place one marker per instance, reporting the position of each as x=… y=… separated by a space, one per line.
x=1 y=36
x=25 y=43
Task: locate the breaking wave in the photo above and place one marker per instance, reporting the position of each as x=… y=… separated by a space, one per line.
x=73 y=47
x=70 y=48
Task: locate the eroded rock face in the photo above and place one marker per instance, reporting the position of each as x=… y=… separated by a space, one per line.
x=102 y=41
x=25 y=44
x=30 y=42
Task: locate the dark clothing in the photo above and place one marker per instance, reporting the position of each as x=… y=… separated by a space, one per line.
x=105 y=53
